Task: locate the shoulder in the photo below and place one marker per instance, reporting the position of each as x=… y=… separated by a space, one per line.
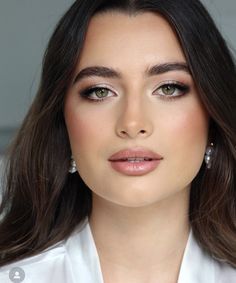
x=224 y=273
x=38 y=268
x=198 y=266
x=55 y=264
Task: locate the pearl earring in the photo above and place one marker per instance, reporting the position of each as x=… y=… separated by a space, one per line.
x=209 y=155
x=72 y=168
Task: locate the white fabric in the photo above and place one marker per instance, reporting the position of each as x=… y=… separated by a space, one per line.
x=76 y=260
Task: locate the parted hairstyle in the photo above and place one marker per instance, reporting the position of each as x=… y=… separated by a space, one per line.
x=42 y=203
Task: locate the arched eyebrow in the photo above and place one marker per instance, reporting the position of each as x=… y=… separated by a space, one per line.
x=167 y=67
x=105 y=72
x=97 y=71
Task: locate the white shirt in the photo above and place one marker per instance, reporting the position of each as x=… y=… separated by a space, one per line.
x=76 y=260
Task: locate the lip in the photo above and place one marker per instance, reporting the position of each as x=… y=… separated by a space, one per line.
x=120 y=163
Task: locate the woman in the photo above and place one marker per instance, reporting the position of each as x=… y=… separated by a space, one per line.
x=124 y=167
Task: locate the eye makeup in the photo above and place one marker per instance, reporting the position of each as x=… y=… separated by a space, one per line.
x=167 y=90
x=171 y=90
x=97 y=93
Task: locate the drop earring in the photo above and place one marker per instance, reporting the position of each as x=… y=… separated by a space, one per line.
x=209 y=155
x=72 y=168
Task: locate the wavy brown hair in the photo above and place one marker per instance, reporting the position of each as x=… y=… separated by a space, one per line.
x=42 y=203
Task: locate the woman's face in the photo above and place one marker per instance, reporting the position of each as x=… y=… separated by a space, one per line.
x=137 y=94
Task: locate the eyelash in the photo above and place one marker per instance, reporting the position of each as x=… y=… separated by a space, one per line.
x=180 y=87
x=87 y=93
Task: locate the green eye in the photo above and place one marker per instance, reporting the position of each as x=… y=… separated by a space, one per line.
x=97 y=94
x=168 y=89
x=172 y=90
x=101 y=92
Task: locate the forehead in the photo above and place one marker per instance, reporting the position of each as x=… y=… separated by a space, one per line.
x=115 y=37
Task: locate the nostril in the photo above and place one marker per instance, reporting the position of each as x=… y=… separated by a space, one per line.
x=132 y=133
x=123 y=132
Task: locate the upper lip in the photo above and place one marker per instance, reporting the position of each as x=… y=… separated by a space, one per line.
x=137 y=152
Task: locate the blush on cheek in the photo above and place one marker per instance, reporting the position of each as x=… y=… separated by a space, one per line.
x=197 y=124
x=188 y=127
x=82 y=129
x=79 y=131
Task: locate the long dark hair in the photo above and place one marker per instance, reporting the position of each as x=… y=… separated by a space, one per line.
x=42 y=203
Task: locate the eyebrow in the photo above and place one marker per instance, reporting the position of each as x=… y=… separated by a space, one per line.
x=105 y=72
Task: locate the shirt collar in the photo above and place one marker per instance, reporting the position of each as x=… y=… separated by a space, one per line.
x=197 y=266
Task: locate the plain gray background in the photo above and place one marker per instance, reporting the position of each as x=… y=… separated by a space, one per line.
x=25 y=28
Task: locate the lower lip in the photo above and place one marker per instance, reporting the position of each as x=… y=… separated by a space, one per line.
x=135 y=168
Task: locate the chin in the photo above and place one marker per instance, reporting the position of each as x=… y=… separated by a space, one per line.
x=136 y=200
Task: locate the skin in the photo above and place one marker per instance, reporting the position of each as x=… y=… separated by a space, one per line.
x=139 y=223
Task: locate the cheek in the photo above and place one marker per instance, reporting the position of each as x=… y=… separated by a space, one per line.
x=85 y=127
x=187 y=125
x=81 y=131
x=185 y=140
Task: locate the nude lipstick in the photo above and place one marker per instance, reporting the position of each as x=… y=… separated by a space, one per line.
x=135 y=161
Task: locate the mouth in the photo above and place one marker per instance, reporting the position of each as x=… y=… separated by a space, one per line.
x=136 y=154
x=135 y=161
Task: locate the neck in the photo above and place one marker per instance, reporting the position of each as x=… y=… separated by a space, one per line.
x=145 y=238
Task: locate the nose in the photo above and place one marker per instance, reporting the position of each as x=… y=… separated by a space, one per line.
x=133 y=121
